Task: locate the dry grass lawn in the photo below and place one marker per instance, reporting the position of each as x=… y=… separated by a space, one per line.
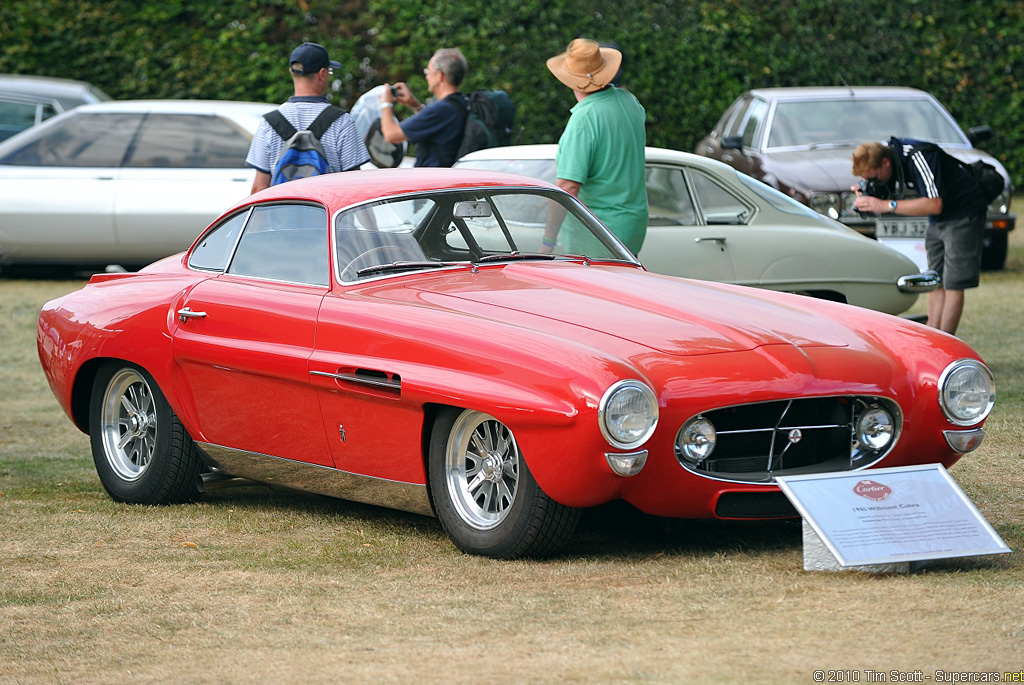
x=251 y=585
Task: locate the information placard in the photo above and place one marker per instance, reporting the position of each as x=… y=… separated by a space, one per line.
x=884 y=516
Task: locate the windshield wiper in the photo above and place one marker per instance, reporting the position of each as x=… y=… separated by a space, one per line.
x=515 y=255
x=403 y=266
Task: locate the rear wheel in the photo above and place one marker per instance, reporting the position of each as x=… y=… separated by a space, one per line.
x=484 y=494
x=143 y=454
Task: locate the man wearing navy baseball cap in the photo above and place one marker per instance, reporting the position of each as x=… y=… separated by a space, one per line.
x=311 y=69
x=309 y=58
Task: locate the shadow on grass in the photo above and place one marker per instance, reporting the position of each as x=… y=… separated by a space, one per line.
x=615 y=529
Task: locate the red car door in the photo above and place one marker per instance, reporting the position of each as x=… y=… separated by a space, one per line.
x=244 y=339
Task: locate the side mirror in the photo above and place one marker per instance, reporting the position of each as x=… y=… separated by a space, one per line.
x=979 y=134
x=732 y=142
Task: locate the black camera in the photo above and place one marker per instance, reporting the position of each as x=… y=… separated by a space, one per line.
x=874 y=188
x=394 y=92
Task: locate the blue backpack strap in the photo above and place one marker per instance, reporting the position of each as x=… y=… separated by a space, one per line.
x=280 y=124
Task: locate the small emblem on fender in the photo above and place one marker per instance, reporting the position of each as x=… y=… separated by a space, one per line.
x=341 y=432
x=869 y=489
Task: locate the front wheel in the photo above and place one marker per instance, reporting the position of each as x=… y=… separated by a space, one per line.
x=143 y=454
x=484 y=494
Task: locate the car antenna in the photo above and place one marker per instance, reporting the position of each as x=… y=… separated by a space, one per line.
x=843 y=81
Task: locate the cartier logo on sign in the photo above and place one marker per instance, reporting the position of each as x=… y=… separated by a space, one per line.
x=869 y=489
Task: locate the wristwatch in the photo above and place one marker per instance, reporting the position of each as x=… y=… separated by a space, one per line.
x=892 y=206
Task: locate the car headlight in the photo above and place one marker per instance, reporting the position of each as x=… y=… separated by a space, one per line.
x=875 y=428
x=628 y=414
x=967 y=392
x=696 y=440
x=825 y=203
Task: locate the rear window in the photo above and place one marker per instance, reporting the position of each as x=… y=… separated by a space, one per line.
x=93 y=140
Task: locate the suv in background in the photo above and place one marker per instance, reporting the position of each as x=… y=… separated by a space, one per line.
x=801 y=140
x=28 y=100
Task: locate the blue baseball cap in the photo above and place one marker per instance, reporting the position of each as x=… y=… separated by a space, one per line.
x=313 y=57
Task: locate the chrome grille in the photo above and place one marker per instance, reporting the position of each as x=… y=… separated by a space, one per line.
x=756 y=442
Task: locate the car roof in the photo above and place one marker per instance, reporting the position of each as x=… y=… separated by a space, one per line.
x=48 y=86
x=353 y=187
x=837 y=92
x=652 y=155
x=223 y=107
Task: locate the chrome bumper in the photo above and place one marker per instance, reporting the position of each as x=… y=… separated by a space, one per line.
x=924 y=282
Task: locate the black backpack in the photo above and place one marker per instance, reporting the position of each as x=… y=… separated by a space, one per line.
x=489 y=120
x=988 y=177
x=302 y=155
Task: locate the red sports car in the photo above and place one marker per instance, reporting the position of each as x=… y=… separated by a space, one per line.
x=477 y=346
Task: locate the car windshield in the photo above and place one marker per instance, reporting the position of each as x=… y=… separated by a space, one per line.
x=855 y=120
x=458 y=227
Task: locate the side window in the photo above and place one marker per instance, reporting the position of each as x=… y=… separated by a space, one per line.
x=735 y=118
x=16 y=116
x=755 y=114
x=214 y=250
x=668 y=198
x=189 y=141
x=285 y=242
x=81 y=140
x=718 y=205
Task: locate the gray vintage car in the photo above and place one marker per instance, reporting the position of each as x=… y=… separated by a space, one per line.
x=707 y=221
x=801 y=140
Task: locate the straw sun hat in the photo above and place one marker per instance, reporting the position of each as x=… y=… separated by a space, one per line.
x=586 y=66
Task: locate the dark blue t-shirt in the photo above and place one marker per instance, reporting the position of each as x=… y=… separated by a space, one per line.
x=436 y=131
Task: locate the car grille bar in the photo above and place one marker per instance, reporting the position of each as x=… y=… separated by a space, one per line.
x=759 y=441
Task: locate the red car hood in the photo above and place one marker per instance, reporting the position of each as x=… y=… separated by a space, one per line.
x=672 y=315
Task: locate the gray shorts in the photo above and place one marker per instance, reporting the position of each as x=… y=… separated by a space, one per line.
x=954 y=250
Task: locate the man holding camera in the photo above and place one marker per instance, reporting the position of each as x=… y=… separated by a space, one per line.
x=435 y=129
x=946 y=193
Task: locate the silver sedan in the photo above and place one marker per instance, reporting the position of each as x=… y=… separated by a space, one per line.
x=122 y=182
x=710 y=222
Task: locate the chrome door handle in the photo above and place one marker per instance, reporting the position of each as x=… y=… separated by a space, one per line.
x=187 y=313
x=720 y=240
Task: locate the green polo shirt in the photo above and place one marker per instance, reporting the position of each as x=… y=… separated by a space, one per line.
x=602 y=148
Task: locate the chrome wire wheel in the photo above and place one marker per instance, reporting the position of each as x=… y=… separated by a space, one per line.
x=482 y=469
x=128 y=424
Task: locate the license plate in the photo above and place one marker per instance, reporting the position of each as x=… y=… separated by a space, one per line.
x=901 y=228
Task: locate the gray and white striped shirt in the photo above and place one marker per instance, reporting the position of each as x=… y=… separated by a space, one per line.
x=343 y=146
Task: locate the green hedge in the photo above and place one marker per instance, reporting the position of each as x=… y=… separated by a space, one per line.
x=686 y=61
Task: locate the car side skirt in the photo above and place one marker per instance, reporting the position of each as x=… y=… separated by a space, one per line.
x=321 y=480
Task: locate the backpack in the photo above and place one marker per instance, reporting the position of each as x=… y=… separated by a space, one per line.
x=491 y=115
x=988 y=177
x=302 y=155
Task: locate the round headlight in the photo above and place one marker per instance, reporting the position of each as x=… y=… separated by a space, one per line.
x=696 y=440
x=967 y=392
x=825 y=203
x=628 y=414
x=876 y=428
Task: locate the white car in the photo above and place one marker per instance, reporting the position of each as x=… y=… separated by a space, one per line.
x=122 y=182
x=710 y=222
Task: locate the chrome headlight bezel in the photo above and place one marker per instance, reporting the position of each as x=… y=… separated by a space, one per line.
x=608 y=410
x=949 y=389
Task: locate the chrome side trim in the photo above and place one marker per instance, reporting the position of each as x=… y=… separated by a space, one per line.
x=924 y=282
x=390 y=384
x=321 y=480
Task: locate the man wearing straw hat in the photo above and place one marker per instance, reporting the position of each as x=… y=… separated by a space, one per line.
x=600 y=155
